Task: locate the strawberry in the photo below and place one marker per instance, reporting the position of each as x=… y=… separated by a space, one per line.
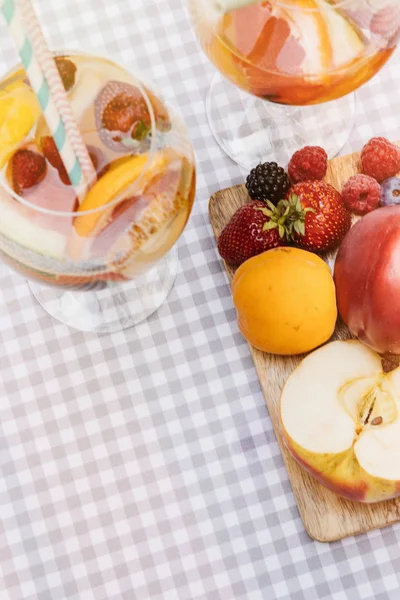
x=125 y=111
x=28 y=168
x=121 y=115
x=250 y=231
x=314 y=216
x=67 y=70
x=50 y=151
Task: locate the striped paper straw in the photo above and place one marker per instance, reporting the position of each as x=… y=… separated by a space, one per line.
x=16 y=25
x=57 y=90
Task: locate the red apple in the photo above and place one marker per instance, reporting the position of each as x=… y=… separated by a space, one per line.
x=367 y=278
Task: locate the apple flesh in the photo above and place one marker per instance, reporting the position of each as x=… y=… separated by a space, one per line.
x=340 y=417
x=367 y=279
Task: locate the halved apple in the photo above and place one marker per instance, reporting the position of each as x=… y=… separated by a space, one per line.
x=340 y=416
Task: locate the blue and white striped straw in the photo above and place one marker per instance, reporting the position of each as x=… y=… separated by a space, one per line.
x=16 y=25
x=45 y=58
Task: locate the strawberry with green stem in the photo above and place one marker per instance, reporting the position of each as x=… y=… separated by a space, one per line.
x=288 y=217
x=248 y=233
x=313 y=216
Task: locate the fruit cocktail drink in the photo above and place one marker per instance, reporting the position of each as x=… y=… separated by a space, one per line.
x=134 y=212
x=300 y=52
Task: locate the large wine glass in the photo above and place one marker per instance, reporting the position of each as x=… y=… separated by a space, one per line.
x=105 y=263
x=294 y=53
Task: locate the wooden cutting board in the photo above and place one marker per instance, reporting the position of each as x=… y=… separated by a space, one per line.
x=326 y=516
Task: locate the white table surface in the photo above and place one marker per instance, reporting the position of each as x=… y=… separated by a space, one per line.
x=143 y=465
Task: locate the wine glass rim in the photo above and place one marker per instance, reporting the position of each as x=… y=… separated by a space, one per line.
x=135 y=185
x=329 y=3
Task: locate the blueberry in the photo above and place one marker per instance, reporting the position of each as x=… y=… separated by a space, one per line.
x=391 y=191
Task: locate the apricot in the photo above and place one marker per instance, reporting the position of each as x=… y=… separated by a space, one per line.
x=285 y=301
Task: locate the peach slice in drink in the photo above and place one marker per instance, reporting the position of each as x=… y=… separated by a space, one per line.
x=113 y=183
x=167 y=203
x=125 y=179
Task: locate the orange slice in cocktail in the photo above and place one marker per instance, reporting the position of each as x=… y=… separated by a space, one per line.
x=270 y=44
x=19 y=111
x=101 y=198
x=130 y=204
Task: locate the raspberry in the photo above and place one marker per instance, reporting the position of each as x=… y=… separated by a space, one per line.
x=380 y=159
x=361 y=194
x=307 y=164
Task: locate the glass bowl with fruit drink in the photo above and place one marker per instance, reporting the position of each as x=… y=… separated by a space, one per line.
x=113 y=242
x=293 y=53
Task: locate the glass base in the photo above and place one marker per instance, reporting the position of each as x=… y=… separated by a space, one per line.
x=114 y=308
x=251 y=130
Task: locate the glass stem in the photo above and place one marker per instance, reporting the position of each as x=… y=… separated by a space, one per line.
x=280 y=111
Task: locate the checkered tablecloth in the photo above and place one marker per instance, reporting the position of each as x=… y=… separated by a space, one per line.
x=143 y=464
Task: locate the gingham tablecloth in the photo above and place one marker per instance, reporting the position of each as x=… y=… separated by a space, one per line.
x=143 y=465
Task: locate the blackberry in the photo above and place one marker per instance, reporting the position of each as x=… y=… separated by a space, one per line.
x=267 y=181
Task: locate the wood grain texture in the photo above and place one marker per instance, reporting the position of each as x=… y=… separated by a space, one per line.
x=326 y=516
